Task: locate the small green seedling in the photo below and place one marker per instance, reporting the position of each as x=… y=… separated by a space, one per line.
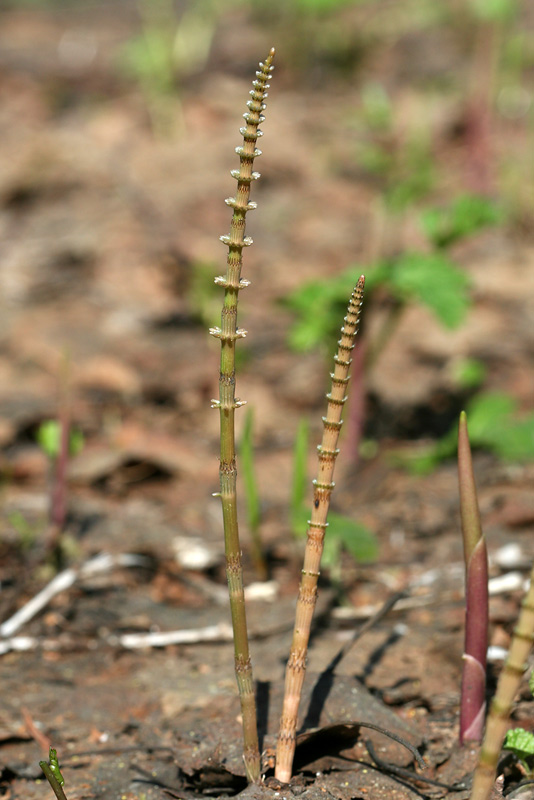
x=252 y=497
x=53 y=774
x=521 y=742
x=49 y=439
x=59 y=440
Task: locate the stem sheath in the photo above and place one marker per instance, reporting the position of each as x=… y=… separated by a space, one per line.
x=473 y=692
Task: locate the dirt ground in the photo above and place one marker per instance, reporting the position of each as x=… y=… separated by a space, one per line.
x=111 y=205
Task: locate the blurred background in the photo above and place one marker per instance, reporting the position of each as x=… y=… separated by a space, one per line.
x=399 y=143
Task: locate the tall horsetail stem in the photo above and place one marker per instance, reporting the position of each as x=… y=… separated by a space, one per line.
x=507 y=686
x=227 y=403
x=473 y=693
x=322 y=490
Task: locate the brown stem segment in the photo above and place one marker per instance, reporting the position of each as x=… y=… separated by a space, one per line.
x=507 y=686
x=323 y=486
x=228 y=333
x=473 y=693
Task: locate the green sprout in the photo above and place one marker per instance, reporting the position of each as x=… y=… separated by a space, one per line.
x=53 y=774
x=49 y=439
x=521 y=743
x=252 y=497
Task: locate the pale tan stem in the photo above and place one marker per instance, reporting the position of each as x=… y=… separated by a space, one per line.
x=228 y=333
x=507 y=687
x=323 y=486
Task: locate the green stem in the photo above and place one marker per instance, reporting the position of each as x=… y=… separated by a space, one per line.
x=228 y=333
x=50 y=777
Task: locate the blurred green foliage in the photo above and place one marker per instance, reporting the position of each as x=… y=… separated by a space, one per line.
x=170 y=47
x=49 y=439
x=252 y=495
x=468 y=373
x=203 y=294
x=430 y=278
x=493 y=10
x=494 y=425
x=466 y=215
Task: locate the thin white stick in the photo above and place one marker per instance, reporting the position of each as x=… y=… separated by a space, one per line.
x=212 y=633
x=103 y=562
x=130 y=641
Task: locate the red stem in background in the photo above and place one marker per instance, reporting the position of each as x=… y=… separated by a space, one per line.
x=58 y=511
x=58 y=494
x=473 y=692
x=479 y=111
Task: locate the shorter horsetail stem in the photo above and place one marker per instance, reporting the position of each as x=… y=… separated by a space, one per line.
x=323 y=486
x=473 y=693
x=507 y=686
x=228 y=333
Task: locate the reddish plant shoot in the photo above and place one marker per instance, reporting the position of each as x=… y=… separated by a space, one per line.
x=473 y=692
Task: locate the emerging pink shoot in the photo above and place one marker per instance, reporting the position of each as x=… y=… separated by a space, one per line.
x=473 y=693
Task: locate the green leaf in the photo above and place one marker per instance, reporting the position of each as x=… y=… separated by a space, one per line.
x=469 y=373
x=466 y=215
x=494 y=9
x=514 y=441
x=492 y=425
x=520 y=742
x=487 y=412
x=319 y=307
x=48 y=437
x=434 y=281
x=355 y=537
